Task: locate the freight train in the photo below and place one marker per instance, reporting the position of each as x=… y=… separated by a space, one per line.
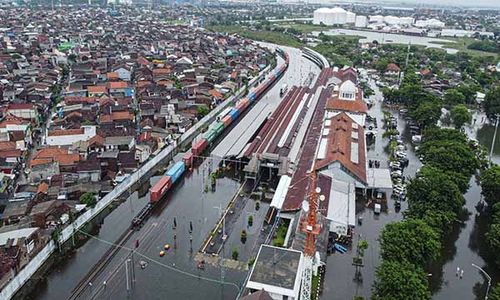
x=224 y=120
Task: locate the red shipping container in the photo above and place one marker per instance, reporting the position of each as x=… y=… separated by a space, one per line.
x=227 y=121
x=159 y=189
x=199 y=146
x=188 y=159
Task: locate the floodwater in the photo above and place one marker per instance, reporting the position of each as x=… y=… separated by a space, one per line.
x=393 y=38
x=464 y=246
x=174 y=275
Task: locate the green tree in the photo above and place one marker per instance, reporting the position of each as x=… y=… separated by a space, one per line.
x=449 y=156
x=454 y=97
x=411 y=240
x=89 y=199
x=400 y=280
x=493 y=239
x=460 y=115
x=235 y=254
x=202 y=111
x=427 y=113
x=435 y=191
x=490 y=184
x=492 y=102
x=495 y=293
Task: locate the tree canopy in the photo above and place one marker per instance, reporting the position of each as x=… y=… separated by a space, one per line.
x=400 y=280
x=434 y=191
x=411 y=240
x=495 y=292
x=427 y=113
x=492 y=102
x=460 y=115
x=454 y=97
x=88 y=198
x=490 y=184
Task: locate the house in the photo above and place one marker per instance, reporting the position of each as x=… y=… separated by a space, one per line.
x=124 y=72
x=97 y=91
x=26 y=111
x=67 y=137
x=44 y=162
x=48 y=213
x=392 y=70
x=17 y=247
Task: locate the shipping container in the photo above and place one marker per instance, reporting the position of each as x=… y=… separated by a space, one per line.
x=160 y=188
x=227 y=121
x=219 y=127
x=199 y=146
x=176 y=171
x=234 y=113
x=188 y=159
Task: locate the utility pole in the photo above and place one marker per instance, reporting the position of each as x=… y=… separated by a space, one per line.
x=497 y=116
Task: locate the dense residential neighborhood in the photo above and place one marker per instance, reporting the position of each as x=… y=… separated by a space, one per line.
x=86 y=100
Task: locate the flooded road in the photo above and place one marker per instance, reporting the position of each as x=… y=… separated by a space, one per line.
x=461 y=249
x=187 y=202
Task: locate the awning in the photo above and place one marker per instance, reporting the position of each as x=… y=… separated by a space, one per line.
x=379 y=178
x=341 y=206
x=281 y=190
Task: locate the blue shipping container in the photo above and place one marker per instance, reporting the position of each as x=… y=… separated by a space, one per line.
x=176 y=171
x=234 y=113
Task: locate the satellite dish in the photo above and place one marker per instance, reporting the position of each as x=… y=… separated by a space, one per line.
x=318 y=189
x=322 y=198
x=305 y=206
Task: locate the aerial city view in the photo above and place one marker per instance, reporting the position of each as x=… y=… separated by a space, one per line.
x=250 y=149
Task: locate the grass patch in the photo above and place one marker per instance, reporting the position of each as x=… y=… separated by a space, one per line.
x=462 y=44
x=261 y=35
x=304 y=28
x=279 y=239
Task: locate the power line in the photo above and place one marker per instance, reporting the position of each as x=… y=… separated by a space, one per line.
x=160 y=263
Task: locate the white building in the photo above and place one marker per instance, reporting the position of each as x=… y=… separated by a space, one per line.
x=332 y=16
x=278 y=271
x=431 y=23
x=376 y=19
x=350 y=17
x=361 y=21
x=67 y=137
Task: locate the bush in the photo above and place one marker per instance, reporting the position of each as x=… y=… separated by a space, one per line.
x=235 y=254
x=88 y=199
x=250 y=220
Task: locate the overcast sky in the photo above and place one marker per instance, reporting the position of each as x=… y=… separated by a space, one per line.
x=468 y=3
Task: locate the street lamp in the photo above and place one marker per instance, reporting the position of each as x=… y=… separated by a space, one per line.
x=487 y=276
x=497 y=116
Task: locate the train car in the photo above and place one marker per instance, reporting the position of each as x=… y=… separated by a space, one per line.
x=227 y=121
x=159 y=189
x=188 y=159
x=219 y=127
x=210 y=135
x=199 y=146
x=176 y=171
x=234 y=113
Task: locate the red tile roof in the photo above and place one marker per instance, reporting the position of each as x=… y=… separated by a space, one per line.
x=97 y=89
x=339 y=149
x=117 y=85
x=53 y=154
x=60 y=132
x=357 y=105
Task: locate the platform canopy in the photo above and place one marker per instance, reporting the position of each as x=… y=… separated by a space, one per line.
x=379 y=178
x=341 y=206
x=281 y=190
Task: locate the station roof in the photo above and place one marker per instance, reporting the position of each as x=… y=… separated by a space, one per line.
x=379 y=178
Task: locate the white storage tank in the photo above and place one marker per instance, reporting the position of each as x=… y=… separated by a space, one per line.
x=376 y=19
x=361 y=21
x=350 y=17
x=406 y=20
x=321 y=16
x=338 y=15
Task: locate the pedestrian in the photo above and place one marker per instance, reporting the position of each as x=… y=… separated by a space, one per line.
x=458 y=271
x=461 y=273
